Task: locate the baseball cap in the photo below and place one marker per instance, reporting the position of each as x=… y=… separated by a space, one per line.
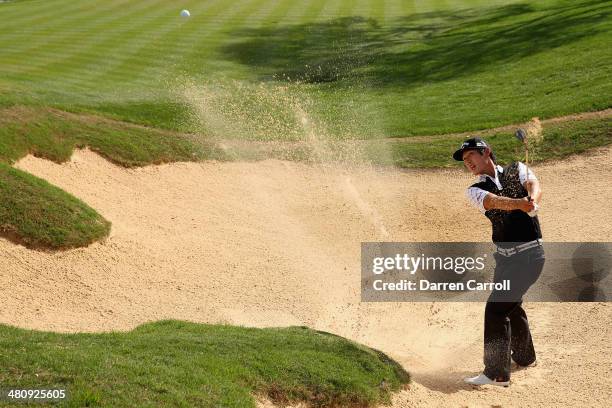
x=470 y=144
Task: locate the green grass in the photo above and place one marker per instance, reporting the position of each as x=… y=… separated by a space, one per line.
x=560 y=140
x=54 y=135
x=173 y=363
x=35 y=213
x=363 y=69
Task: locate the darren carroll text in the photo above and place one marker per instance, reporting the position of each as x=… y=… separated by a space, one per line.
x=424 y=284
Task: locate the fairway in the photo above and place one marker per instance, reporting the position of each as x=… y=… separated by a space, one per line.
x=359 y=69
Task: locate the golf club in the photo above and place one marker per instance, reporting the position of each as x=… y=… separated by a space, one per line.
x=521 y=135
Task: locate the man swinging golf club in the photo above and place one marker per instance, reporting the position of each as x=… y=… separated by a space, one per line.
x=509 y=197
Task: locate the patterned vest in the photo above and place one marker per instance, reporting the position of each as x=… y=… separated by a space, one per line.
x=515 y=225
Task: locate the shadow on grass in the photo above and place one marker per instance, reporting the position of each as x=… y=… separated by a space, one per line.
x=415 y=49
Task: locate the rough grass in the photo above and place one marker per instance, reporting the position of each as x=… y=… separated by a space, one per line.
x=174 y=363
x=560 y=140
x=38 y=215
x=54 y=135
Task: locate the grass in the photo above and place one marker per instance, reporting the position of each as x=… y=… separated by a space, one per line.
x=364 y=69
x=560 y=140
x=53 y=135
x=174 y=363
x=39 y=215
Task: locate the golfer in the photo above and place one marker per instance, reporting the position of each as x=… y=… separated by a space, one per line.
x=509 y=197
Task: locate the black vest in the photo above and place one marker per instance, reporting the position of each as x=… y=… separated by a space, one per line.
x=515 y=225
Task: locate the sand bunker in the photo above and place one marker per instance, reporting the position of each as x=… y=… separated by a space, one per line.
x=278 y=243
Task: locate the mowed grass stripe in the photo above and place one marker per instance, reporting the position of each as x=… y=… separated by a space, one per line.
x=41 y=15
x=121 y=54
x=91 y=51
x=271 y=15
x=258 y=16
x=172 y=65
x=346 y=8
x=59 y=31
x=185 y=38
x=327 y=12
x=313 y=11
x=294 y=12
x=393 y=10
x=42 y=58
x=147 y=21
x=297 y=13
x=206 y=57
x=271 y=10
x=377 y=10
x=82 y=67
x=108 y=31
x=362 y=8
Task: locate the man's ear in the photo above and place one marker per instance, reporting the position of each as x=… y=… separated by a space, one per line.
x=487 y=152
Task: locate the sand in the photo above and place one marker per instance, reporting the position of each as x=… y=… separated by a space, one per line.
x=277 y=243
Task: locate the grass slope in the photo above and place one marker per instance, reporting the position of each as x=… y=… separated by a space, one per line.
x=560 y=140
x=54 y=135
x=35 y=213
x=173 y=363
x=38 y=215
x=365 y=68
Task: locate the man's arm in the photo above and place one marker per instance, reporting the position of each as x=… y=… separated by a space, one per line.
x=533 y=188
x=530 y=182
x=492 y=201
x=483 y=200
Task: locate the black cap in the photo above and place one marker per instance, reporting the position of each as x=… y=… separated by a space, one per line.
x=470 y=144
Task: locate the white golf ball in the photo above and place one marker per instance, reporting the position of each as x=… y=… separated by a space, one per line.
x=185 y=13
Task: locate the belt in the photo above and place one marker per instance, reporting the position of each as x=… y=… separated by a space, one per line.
x=519 y=248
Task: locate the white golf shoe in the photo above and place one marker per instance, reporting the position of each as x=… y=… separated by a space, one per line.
x=482 y=379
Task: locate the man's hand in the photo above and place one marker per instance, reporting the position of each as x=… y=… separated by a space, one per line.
x=534 y=190
x=527 y=205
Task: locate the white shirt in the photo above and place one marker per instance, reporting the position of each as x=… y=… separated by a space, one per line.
x=477 y=195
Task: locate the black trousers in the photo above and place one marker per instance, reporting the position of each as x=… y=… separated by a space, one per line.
x=506 y=328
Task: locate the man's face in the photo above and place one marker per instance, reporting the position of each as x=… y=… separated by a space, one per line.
x=474 y=161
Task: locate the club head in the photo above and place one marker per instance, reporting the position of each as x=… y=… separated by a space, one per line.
x=521 y=134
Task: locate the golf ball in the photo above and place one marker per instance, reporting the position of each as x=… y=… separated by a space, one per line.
x=185 y=13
